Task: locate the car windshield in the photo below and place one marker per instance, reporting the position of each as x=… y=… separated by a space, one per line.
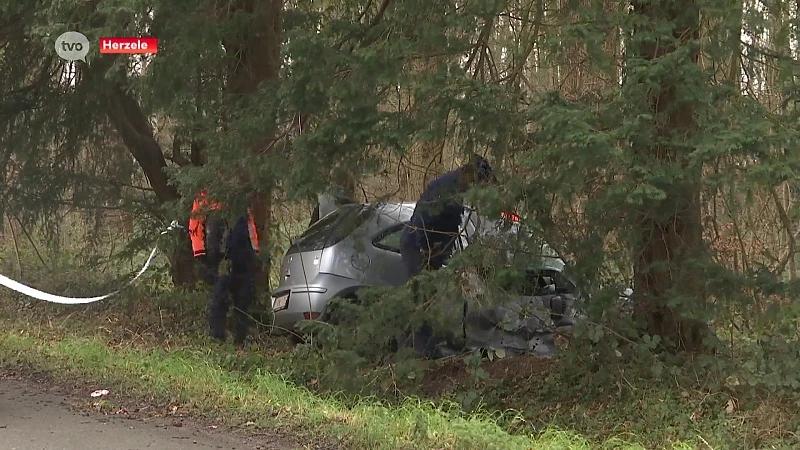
x=332 y=229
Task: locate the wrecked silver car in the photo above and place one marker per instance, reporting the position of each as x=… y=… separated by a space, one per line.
x=358 y=245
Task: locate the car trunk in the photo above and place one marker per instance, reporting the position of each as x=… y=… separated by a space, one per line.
x=303 y=260
x=300 y=268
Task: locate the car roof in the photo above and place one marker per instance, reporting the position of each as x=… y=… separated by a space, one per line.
x=393 y=210
x=392 y=207
x=399 y=212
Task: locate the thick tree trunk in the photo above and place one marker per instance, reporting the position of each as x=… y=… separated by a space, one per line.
x=670 y=229
x=255 y=58
x=131 y=123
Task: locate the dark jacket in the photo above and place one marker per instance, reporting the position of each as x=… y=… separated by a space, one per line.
x=438 y=214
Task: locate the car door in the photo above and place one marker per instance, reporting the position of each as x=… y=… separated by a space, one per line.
x=388 y=268
x=469 y=226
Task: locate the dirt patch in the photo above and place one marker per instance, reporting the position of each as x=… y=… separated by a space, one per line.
x=447 y=376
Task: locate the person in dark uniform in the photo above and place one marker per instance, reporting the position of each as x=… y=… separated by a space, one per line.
x=427 y=243
x=212 y=242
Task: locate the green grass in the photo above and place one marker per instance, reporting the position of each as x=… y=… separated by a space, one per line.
x=190 y=375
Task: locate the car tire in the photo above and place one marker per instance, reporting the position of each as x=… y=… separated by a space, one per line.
x=350 y=298
x=295 y=337
x=331 y=313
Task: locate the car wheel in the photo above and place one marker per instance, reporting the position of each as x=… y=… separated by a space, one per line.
x=333 y=313
x=295 y=337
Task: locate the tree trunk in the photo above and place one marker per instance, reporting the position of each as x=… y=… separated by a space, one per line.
x=670 y=230
x=133 y=127
x=130 y=122
x=255 y=57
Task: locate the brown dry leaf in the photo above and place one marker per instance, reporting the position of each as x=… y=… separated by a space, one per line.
x=730 y=407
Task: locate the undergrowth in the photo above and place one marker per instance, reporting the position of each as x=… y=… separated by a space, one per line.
x=160 y=338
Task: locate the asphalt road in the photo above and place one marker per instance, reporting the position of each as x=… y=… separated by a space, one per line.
x=32 y=419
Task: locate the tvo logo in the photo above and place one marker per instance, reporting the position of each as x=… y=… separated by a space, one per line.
x=72 y=46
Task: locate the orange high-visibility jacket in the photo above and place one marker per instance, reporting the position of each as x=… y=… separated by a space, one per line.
x=513 y=217
x=197 y=224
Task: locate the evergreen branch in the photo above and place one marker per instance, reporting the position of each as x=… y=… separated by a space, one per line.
x=372 y=24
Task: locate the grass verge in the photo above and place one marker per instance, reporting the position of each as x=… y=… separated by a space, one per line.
x=148 y=344
x=190 y=375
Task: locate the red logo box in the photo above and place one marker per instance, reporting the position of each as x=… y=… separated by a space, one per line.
x=129 y=45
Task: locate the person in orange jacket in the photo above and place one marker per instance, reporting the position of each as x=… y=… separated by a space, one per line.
x=212 y=242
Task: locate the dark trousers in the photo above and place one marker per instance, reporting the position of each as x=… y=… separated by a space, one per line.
x=237 y=287
x=240 y=287
x=416 y=260
x=209 y=271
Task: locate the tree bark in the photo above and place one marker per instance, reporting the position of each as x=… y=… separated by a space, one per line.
x=255 y=57
x=129 y=120
x=670 y=230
